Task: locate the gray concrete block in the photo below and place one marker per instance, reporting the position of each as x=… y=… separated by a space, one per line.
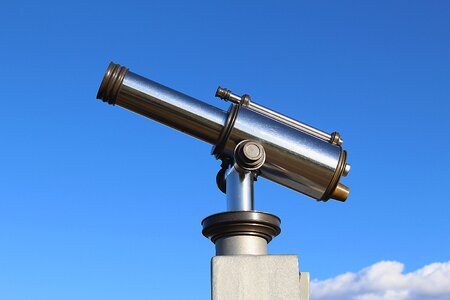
x=255 y=277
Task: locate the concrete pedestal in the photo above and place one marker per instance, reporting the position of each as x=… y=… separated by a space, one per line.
x=258 y=277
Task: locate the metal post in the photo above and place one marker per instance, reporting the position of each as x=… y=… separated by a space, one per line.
x=236 y=238
x=239 y=189
x=241 y=245
x=240 y=197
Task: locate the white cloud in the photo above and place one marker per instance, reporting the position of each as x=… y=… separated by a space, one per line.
x=386 y=281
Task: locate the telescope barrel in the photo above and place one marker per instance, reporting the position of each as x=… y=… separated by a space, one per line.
x=294 y=158
x=167 y=106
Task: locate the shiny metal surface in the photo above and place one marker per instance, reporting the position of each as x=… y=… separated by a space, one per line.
x=291 y=122
x=228 y=95
x=239 y=190
x=293 y=158
x=172 y=108
x=241 y=245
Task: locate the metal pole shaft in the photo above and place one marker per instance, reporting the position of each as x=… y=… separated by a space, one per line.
x=239 y=190
x=240 y=197
x=241 y=245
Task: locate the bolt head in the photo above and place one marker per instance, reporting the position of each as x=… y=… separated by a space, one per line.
x=249 y=155
x=252 y=151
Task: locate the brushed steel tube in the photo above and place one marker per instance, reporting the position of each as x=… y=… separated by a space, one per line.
x=163 y=104
x=239 y=190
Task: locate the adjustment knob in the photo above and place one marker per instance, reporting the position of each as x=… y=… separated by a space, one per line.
x=250 y=155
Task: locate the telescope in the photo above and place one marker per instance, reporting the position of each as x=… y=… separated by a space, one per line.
x=251 y=140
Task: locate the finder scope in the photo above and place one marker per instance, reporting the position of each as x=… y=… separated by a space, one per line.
x=297 y=155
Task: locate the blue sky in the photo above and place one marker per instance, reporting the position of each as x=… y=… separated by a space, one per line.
x=93 y=204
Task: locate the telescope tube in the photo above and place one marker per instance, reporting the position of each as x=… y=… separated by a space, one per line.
x=294 y=158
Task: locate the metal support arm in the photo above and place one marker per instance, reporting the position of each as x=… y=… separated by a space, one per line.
x=249 y=156
x=239 y=189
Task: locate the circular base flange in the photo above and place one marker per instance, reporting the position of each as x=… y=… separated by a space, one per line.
x=234 y=223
